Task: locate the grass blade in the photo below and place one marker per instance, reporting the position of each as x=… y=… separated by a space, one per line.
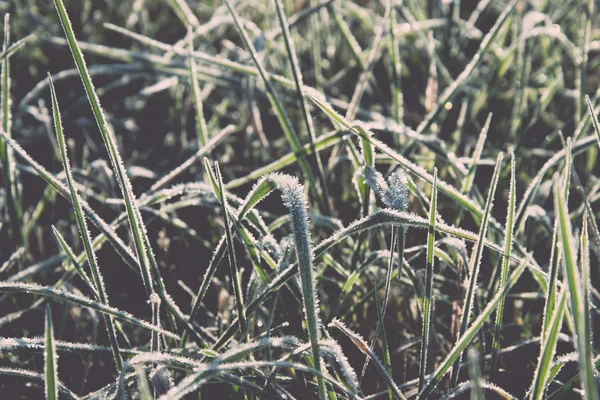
x=292 y=194
x=15 y=211
x=548 y=348
x=110 y=144
x=428 y=300
x=578 y=299
x=470 y=333
x=233 y=267
x=508 y=239
x=50 y=365
x=475 y=264
x=82 y=226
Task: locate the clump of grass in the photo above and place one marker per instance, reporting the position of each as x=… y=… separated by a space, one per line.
x=388 y=172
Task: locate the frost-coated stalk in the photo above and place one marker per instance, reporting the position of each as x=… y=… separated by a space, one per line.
x=50 y=365
x=428 y=298
x=577 y=299
x=292 y=194
x=475 y=263
x=508 y=238
x=8 y=166
x=97 y=279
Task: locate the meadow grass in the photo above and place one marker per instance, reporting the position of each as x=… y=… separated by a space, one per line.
x=384 y=270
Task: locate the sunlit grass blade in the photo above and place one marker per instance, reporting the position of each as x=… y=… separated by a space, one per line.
x=475 y=263
x=468 y=181
x=548 y=348
x=584 y=244
x=145 y=254
x=429 y=299
x=578 y=299
x=323 y=142
x=12 y=260
x=347 y=36
x=470 y=333
x=82 y=227
x=50 y=357
x=508 y=239
x=111 y=147
x=297 y=74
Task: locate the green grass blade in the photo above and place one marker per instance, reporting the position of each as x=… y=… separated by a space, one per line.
x=429 y=299
x=50 y=365
x=111 y=147
x=9 y=178
x=470 y=333
x=475 y=263
x=548 y=348
x=584 y=245
x=145 y=255
x=16 y=46
x=508 y=243
x=578 y=147
x=577 y=298
x=82 y=226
